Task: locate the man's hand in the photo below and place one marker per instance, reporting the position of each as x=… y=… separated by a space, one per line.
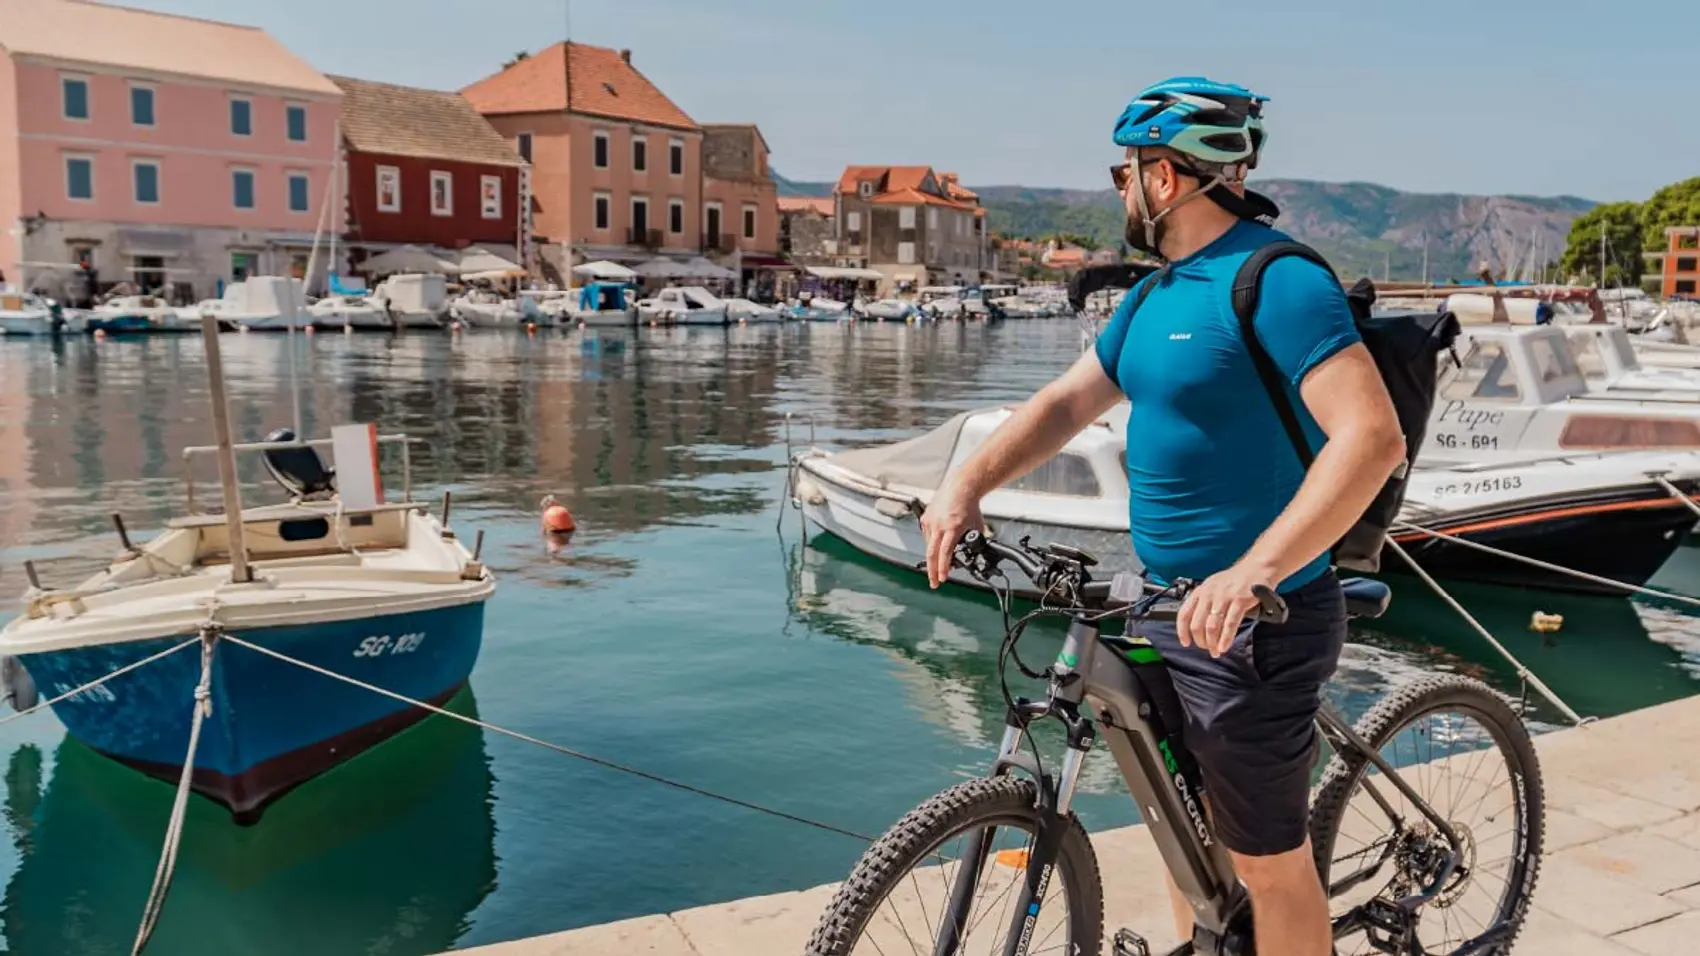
x=1210 y=616
x=949 y=516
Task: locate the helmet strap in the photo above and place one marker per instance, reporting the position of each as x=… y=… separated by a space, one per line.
x=1216 y=184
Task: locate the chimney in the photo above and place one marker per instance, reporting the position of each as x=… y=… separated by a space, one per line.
x=627 y=56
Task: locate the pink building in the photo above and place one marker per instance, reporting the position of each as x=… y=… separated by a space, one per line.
x=163 y=150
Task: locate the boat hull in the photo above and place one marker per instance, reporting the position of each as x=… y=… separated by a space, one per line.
x=1625 y=538
x=858 y=520
x=273 y=725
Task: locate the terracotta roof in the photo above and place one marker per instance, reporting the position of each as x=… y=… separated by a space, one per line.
x=592 y=80
x=404 y=121
x=822 y=205
x=954 y=189
x=1064 y=259
x=909 y=197
x=891 y=178
x=113 y=36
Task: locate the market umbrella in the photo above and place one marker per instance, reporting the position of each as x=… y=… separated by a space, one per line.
x=708 y=270
x=603 y=269
x=479 y=261
x=664 y=268
x=407 y=259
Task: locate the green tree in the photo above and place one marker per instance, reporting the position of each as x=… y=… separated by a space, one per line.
x=1622 y=225
x=1675 y=205
x=521 y=55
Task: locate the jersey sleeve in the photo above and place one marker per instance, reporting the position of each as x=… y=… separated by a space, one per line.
x=1302 y=317
x=1110 y=341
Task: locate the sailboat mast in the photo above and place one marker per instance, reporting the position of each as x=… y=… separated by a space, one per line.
x=1425 y=258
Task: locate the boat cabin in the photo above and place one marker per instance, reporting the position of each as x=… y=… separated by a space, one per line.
x=690 y=298
x=1520 y=391
x=603 y=297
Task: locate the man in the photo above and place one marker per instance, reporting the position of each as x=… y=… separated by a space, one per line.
x=1217 y=492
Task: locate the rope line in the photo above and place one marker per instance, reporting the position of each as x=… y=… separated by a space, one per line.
x=568 y=751
x=1545 y=565
x=1676 y=493
x=97 y=681
x=180 y=805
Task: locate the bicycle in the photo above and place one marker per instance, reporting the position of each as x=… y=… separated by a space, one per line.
x=1415 y=861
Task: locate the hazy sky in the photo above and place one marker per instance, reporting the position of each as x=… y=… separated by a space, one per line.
x=1517 y=96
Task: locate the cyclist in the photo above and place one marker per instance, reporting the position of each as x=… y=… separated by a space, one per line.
x=1216 y=492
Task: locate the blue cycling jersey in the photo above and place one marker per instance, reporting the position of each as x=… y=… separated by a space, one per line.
x=1209 y=465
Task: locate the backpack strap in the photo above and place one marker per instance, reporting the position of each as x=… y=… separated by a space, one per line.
x=1248 y=286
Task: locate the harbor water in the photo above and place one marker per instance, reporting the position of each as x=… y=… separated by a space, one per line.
x=686 y=630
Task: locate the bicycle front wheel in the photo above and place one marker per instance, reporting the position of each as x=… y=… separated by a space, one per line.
x=900 y=896
x=1468 y=756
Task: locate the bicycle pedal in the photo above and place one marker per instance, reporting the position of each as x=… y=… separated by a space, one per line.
x=1129 y=943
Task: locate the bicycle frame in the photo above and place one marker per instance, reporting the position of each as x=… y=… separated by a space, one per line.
x=1125 y=684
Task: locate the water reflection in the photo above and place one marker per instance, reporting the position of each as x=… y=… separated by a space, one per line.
x=388 y=854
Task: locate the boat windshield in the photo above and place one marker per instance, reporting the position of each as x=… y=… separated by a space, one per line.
x=1064 y=474
x=1585 y=350
x=1485 y=372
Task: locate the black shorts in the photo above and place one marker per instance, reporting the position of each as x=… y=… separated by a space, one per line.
x=1250 y=715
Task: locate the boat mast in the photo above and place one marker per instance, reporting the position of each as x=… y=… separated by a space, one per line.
x=239 y=571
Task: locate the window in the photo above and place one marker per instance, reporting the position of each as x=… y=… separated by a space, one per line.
x=295 y=122
x=1485 y=372
x=490 y=196
x=599 y=150
x=145 y=172
x=604 y=206
x=241 y=117
x=865 y=190
x=442 y=193
x=1690 y=241
x=749 y=222
x=1685 y=264
x=932 y=218
x=300 y=186
x=75 y=97
x=640 y=154
x=1552 y=361
x=243 y=265
x=79 y=177
x=1063 y=474
x=853 y=221
x=242 y=188
x=1685 y=287
x=676 y=157
x=906 y=253
x=389 y=189
x=525 y=146
x=141 y=105
x=906 y=217
x=640 y=218
x=676 y=216
x=1585 y=350
x=711 y=224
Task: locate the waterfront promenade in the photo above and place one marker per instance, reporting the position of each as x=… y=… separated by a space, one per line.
x=1621 y=876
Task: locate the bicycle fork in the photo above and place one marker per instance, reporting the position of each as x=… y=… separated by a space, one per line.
x=1056 y=795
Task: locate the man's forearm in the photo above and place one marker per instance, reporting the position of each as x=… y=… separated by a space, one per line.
x=1040 y=427
x=1342 y=481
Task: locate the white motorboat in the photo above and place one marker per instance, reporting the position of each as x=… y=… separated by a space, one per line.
x=257 y=303
x=479 y=308
x=348 y=312
x=413 y=301
x=745 y=312
x=1519 y=392
x=980 y=301
x=873 y=499
x=886 y=310
x=684 y=305
x=815 y=308
x=942 y=301
x=140 y=314
x=606 y=305
x=23 y=314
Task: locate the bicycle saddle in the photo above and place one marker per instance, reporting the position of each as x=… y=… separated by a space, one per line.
x=1366 y=597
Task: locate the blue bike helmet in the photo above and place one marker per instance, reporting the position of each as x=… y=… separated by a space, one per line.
x=1219 y=123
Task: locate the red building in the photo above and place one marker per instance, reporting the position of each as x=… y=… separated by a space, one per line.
x=425 y=168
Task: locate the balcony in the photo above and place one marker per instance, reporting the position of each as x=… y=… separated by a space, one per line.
x=719 y=242
x=647 y=238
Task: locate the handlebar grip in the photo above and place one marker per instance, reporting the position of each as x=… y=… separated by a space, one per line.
x=1270 y=608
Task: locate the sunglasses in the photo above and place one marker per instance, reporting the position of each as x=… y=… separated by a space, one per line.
x=1122 y=173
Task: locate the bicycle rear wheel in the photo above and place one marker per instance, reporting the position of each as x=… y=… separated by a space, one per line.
x=897 y=897
x=1467 y=754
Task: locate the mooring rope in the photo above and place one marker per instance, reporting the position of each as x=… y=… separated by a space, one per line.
x=1676 y=493
x=1523 y=673
x=208 y=638
x=1545 y=565
x=568 y=751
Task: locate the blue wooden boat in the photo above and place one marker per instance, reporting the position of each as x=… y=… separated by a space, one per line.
x=384 y=594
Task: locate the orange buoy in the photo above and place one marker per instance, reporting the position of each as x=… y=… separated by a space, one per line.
x=531 y=328
x=581 y=326
x=308 y=330
x=99 y=334
x=556 y=518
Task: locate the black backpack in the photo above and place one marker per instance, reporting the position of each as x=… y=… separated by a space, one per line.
x=1406 y=349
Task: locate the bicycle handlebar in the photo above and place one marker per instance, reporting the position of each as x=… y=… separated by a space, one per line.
x=1059 y=568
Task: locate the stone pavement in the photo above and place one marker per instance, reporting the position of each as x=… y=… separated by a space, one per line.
x=1621 y=875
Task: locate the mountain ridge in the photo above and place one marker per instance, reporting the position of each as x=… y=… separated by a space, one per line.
x=1363 y=228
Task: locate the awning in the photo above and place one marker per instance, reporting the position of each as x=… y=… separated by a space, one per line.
x=664 y=268
x=407 y=259
x=703 y=268
x=603 y=269
x=840 y=272
x=480 y=262
x=766 y=262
